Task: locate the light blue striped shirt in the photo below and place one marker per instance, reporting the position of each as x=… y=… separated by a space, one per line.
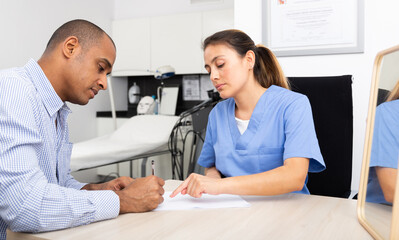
x=37 y=191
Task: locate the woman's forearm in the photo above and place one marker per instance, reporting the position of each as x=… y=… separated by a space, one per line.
x=284 y=179
x=387 y=180
x=288 y=178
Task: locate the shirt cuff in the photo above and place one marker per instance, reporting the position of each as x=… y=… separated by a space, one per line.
x=106 y=203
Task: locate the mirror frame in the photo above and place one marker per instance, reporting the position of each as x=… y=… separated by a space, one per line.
x=394 y=229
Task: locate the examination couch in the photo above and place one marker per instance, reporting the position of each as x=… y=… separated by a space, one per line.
x=140 y=137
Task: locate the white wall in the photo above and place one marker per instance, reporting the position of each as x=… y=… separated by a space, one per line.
x=26 y=27
x=381 y=31
x=125 y=9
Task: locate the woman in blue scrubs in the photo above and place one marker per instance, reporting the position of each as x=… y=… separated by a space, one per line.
x=260 y=140
x=384 y=151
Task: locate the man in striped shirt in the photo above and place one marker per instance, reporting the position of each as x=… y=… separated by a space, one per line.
x=37 y=191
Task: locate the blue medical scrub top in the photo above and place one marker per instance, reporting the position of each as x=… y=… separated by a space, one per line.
x=281 y=127
x=385 y=147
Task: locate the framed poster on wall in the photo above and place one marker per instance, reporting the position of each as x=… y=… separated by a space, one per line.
x=312 y=27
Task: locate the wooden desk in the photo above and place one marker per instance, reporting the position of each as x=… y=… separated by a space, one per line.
x=289 y=216
x=379 y=216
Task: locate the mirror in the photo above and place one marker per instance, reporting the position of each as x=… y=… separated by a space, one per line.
x=377 y=198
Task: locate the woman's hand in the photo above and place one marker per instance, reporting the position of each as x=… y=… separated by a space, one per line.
x=195 y=185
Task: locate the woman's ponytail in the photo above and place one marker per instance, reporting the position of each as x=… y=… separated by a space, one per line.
x=394 y=95
x=267 y=70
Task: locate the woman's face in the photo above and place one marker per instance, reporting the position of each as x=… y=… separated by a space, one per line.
x=228 y=71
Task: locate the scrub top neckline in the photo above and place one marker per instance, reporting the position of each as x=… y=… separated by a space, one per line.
x=241 y=141
x=242 y=125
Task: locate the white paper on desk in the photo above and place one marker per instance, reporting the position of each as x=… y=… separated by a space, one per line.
x=186 y=202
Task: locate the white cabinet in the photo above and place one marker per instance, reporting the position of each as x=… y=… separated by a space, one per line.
x=132 y=40
x=176 y=41
x=214 y=21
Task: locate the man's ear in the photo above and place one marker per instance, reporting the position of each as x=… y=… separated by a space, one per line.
x=250 y=59
x=70 y=46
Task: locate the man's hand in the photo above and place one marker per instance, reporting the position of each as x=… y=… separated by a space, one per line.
x=114 y=185
x=142 y=195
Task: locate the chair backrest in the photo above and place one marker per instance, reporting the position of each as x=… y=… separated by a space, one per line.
x=332 y=107
x=382 y=95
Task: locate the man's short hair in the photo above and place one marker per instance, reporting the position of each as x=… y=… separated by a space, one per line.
x=87 y=33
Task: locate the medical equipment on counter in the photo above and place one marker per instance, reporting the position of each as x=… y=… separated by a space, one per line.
x=134 y=93
x=146 y=105
x=162 y=72
x=167 y=97
x=168 y=100
x=156 y=105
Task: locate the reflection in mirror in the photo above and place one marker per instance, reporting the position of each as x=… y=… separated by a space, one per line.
x=381 y=154
x=383 y=162
x=385 y=149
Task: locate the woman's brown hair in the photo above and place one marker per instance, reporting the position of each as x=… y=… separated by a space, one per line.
x=267 y=70
x=394 y=93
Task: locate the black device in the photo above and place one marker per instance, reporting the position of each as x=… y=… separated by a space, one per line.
x=199 y=117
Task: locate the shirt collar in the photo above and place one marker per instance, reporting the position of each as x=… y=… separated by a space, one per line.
x=51 y=101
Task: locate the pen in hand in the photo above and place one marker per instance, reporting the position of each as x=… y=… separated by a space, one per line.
x=152 y=167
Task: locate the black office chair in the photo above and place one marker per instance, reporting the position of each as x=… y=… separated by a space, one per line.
x=382 y=95
x=332 y=107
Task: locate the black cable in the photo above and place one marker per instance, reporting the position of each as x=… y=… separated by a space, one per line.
x=191 y=159
x=176 y=154
x=173 y=148
x=109 y=175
